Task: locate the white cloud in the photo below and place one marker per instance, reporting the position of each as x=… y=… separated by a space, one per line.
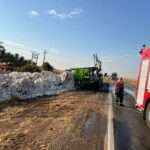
x=52 y=12
x=33 y=13
x=76 y=12
x=70 y=15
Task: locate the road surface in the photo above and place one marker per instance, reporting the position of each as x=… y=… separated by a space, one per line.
x=131 y=132
x=80 y=120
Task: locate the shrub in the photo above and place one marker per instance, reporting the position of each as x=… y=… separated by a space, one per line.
x=29 y=68
x=47 y=67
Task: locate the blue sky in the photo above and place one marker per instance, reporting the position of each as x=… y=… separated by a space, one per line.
x=72 y=31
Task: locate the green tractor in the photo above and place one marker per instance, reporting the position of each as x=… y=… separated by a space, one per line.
x=87 y=78
x=90 y=77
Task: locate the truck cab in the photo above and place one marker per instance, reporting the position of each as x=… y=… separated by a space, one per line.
x=143 y=85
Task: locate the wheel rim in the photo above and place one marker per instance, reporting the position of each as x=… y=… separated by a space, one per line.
x=148 y=115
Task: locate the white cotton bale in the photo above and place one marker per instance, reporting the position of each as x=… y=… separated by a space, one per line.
x=31 y=85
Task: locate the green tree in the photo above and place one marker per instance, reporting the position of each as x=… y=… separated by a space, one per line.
x=2 y=52
x=15 y=59
x=21 y=59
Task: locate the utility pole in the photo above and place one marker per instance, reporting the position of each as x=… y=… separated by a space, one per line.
x=35 y=57
x=94 y=58
x=44 y=56
x=97 y=62
x=32 y=58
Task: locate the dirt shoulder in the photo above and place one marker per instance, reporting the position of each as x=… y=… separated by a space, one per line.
x=73 y=120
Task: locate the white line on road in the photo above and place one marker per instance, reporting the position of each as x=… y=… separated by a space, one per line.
x=110 y=129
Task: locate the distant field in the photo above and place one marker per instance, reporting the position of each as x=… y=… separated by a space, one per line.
x=130 y=83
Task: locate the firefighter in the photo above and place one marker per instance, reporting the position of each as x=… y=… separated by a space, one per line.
x=119 y=91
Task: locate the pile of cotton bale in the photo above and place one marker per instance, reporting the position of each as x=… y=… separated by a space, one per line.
x=31 y=85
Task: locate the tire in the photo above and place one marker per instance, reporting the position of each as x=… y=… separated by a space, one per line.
x=147 y=115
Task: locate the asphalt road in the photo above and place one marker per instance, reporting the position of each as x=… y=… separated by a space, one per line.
x=82 y=120
x=130 y=131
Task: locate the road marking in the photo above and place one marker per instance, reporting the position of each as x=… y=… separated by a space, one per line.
x=110 y=128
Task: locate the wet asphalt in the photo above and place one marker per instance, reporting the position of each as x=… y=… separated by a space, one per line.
x=130 y=130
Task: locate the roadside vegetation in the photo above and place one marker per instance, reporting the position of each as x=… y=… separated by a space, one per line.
x=15 y=59
x=29 y=68
x=21 y=64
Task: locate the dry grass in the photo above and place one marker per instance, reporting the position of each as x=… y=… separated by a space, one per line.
x=130 y=82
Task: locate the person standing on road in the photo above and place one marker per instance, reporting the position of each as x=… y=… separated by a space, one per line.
x=119 y=91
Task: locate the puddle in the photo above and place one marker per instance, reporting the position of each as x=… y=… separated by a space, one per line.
x=91 y=120
x=130 y=92
x=90 y=124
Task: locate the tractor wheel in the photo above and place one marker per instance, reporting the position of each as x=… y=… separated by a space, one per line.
x=148 y=115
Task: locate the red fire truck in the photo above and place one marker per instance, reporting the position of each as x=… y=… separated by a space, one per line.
x=143 y=85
